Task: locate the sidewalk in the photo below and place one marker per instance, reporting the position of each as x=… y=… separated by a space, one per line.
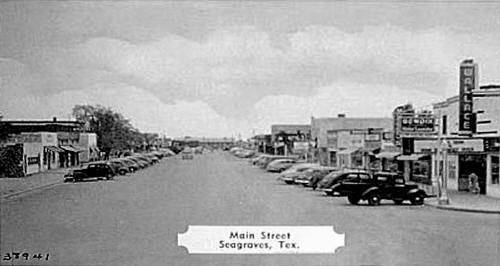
x=465 y=201
x=14 y=186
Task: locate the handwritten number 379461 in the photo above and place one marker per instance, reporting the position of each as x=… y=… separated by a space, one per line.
x=25 y=256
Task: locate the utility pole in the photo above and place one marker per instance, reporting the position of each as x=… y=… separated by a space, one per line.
x=442 y=165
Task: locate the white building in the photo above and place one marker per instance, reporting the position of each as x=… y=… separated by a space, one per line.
x=478 y=151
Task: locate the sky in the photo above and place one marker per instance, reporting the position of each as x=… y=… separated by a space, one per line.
x=208 y=68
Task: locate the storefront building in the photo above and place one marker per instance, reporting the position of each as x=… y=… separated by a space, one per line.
x=478 y=151
x=69 y=143
x=340 y=141
x=291 y=139
x=88 y=143
x=33 y=152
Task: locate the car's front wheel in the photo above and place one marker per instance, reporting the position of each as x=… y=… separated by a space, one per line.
x=417 y=199
x=123 y=172
x=109 y=176
x=353 y=199
x=374 y=199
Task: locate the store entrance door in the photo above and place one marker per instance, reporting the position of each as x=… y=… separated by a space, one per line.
x=468 y=164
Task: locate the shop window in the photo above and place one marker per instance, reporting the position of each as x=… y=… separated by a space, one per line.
x=45 y=157
x=333 y=158
x=495 y=171
x=357 y=160
x=444 y=124
x=452 y=169
x=421 y=172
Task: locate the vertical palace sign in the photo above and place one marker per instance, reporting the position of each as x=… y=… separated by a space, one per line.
x=468 y=82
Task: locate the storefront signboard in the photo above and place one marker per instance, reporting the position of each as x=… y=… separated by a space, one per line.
x=33 y=160
x=453 y=146
x=468 y=82
x=422 y=124
x=301 y=146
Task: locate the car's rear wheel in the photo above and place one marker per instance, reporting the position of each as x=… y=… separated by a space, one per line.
x=109 y=176
x=374 y=199
x=123 y=172
x=289 y=182
x=417 y=199
x=353 y=199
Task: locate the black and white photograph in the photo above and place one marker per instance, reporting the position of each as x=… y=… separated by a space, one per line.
x=265 y=132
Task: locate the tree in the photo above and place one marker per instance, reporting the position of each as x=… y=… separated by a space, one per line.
x=114 y=132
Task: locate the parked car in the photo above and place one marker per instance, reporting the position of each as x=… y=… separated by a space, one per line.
x=119 y=166
x=378 y=186
x=99 y=170
x=132 y=166
x=267 y=160
x=305 y=178
x=244 y=153
x=280 y=165
x=144 y=158
x=318 y=176
x=187 y=154
x=198 y=150
x=335 y=177
x=256 y=158
x=153 y=158
x=142 y=164
x=289 y=175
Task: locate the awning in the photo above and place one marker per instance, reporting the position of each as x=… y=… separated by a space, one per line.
x=69 y=149
x=79 y=148
x=54 y=149
x=95 y=149
x=332 y=150
x=387 y=154
x=412 y=157
x=348 y=151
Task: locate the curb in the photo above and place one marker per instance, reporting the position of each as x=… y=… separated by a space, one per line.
x=462 y=209
x=8 y=196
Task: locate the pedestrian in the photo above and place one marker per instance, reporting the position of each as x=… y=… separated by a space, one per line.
x=473 y=183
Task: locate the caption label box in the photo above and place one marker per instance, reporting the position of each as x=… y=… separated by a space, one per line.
x=260 y=239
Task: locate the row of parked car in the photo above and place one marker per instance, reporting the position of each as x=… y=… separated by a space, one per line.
x=108 y=169
x=355 y=184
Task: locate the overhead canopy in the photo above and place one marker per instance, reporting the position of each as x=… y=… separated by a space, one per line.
x=54 y=149
x=79 y=148
x=387 y=154
x=94 y=149
x=412 y=157
x=332 y=149
x=69 y=149
x=348 y=151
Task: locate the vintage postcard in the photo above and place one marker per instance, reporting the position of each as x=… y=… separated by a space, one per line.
x=308 y=133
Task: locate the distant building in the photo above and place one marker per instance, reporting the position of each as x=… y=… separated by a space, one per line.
x=290 y=138
x=19 y=126
x=325 y=133
x=263 y=143
x=45 y=145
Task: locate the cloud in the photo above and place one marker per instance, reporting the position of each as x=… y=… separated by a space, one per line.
x=353 y=99
x=240 y=79
x=240 y=64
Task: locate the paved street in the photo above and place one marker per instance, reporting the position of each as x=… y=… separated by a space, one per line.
x=135 y=219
